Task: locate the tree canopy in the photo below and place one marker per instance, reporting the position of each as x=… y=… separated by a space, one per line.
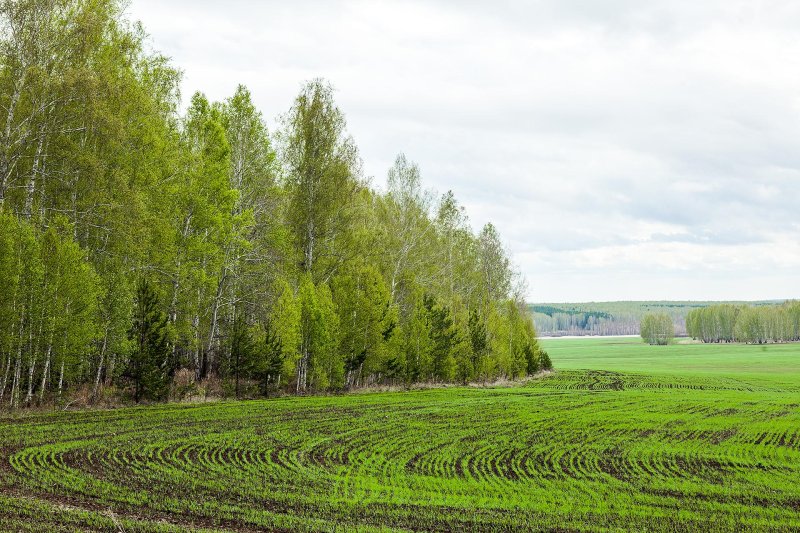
x=657 y=328
x=137 y=241
x=746 y=323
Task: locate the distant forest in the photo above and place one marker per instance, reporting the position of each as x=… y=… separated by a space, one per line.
x=154 y=253
x=746 y=323
x=615 y=318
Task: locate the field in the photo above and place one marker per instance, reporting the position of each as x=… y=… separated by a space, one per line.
x=622 y=436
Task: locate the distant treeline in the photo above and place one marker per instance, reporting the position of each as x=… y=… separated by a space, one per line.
x=745 y=323
x=570 y=322
x=614 y=318
x=153 y=253
x=600 y=318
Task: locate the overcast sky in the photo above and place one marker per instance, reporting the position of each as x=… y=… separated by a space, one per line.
x=624 y=149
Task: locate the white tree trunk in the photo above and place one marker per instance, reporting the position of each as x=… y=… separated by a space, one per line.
x=46 y=370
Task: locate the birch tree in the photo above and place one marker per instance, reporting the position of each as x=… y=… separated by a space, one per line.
x=322 y=177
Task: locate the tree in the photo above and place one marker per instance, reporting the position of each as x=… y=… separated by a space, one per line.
x=69 y=317
x=286 y=267
x=404 y=211
x=285 y=320
x=366 y=318
x=200 y=209
x=271 y=360
x=416 y=341
x=248 y=248
x=149 y=366
x=479 y=342
x=657 y=329
x=443 y=338
x=242 y=351
x=323 y=173
x=320 y=366
x=494 y=265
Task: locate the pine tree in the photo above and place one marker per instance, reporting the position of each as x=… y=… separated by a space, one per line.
x=532 y=362
x=272 y=358
x=444 y=339
x=150 y=363
x=242 y=351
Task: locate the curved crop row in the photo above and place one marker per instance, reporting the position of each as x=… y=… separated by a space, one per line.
x=724 y=456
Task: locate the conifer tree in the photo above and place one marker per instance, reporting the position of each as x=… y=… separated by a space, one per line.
x=444 y=339
x=150 y=363
x=242 y=358
x=272 y=358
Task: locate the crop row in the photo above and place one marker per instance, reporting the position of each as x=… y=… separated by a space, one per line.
x=576 y=450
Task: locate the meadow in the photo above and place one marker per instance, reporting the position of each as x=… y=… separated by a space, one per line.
x=622 y=436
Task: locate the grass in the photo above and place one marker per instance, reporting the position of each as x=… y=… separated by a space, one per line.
x=623 y=436
x=770 y=364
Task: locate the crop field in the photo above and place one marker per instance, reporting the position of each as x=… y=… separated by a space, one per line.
x=622 y=436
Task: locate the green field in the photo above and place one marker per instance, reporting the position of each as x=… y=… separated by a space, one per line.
x=771 y=365
x=622 y=436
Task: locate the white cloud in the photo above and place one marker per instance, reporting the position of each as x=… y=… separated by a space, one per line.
x=624 y=149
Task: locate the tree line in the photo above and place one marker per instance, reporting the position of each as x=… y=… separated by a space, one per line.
x=745 y=323
x=141 y=247
x=606 y=318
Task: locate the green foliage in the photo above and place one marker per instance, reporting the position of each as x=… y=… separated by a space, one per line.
x=319 y=366
x=282 y=267
x=444 y=338
x=49 y=308
x=286 y=323
x=271 y=359
x=745 y=323
x=322 y=179
x=150 y=365
x=657 y=328
x=366 y=320
x=243 y=353
x=479 y=342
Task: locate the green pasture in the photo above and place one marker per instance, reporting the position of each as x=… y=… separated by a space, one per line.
x=770 y=363
x=621 y=437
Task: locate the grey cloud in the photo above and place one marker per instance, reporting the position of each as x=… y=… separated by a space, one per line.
x=650 y=129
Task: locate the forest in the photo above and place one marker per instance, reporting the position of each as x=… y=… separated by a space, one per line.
x=604 y=318
x=746 y=323
x=149 y=252
x=620 y=318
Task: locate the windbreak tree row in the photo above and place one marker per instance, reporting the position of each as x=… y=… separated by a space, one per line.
x=148 y=252
x=743 y=323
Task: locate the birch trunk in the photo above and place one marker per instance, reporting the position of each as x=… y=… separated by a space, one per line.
x=31 y=369
x=6 y=165
x=30 y=188
x=14 y=401
x=5 y=378
x=100 y=366
x=215 y=310
x=61 y=380
x=46 y=370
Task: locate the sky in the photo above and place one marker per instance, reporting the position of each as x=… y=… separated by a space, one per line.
x=625 y=150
